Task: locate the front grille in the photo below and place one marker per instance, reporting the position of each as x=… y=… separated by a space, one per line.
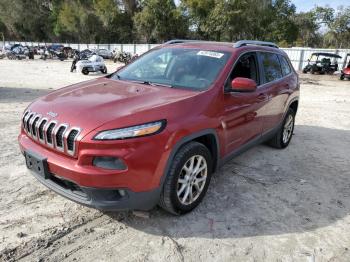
x=41 y=129
x=50 y=133
x=28 y=122
x=59 y=136
x=23 y=119
x=71 y=139
x=36 y=119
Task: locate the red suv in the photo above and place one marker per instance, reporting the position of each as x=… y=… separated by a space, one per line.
x=155 y=131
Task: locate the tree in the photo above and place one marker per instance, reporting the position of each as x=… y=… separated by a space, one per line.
x=160 y=19
x=26 y=19
x=308 y=29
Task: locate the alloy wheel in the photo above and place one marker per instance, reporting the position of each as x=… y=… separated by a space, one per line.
x=288 y=129
x=192 y=179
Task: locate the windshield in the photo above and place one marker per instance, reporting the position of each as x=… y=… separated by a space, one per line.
x=194 y=69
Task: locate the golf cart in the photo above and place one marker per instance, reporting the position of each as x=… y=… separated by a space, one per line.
x=345 y=73
x=322 y=63
x=94 y=64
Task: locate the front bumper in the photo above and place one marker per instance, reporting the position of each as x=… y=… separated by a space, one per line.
x=76 y=178
x=102 y=199
x=142 y=173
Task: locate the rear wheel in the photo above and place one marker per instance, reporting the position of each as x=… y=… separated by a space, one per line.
x=85 y=71
x=187 y=180
x=285 y=133
x=104 y=70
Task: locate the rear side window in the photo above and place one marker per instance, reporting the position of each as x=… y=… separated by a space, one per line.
x=286 y=70
x=271 y=66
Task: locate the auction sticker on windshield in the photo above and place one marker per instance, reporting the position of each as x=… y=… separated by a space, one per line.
x=210 y=54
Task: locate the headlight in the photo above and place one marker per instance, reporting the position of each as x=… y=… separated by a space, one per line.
x=132 y=131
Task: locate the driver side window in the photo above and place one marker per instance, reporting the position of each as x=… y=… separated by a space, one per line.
x=245 y=67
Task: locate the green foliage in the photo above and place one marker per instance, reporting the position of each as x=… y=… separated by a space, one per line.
x=160 y=20
x=126 y=21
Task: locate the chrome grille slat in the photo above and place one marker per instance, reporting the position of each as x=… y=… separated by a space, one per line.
x=41 y=133
x=59 y=136
x=72 y=136
x=34 y=125
x=51 y=133
x=23 y=119
x=30 y=116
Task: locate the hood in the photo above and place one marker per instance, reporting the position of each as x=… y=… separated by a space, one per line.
x=90 y=104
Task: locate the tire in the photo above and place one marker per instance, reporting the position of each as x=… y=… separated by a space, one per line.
x=304 y=71
x=341 y=77
x=104 y=70
x=85 y=71
x=279 y=140
x=173 y=196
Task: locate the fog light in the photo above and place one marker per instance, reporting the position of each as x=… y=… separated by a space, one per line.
x=107 y=162
x=122 y=192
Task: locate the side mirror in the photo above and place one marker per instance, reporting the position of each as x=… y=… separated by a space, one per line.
x=241 y=84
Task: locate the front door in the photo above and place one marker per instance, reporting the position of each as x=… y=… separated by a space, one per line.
x=242 y=111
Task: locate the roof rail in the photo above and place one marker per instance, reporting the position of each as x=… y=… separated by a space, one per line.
x=252 y=42
x=179 y=41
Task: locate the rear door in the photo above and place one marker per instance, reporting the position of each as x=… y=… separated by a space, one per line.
x=276 y=86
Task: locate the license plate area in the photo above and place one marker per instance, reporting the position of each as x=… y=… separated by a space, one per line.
x=37 y=164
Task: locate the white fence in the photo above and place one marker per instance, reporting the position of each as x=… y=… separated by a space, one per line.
x=298 y=56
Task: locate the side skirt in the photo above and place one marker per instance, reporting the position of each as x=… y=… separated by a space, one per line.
x=254 y=142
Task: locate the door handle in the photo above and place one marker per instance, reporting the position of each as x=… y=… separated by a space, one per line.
x=262 y=97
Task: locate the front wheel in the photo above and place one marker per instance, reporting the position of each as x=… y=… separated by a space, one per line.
x=284 y=135
x=187 y=180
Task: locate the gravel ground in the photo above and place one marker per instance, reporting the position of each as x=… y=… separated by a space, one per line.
x=265 y=205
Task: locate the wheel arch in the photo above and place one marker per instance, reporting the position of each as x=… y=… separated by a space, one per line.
x=207 y=137
x=294 y=105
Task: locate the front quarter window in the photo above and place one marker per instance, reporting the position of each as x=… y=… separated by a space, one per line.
x=194 y=69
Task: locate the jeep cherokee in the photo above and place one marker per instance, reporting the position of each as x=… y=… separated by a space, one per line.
x=154 y=131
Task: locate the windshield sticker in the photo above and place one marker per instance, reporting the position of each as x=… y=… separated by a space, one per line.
x=211 y=54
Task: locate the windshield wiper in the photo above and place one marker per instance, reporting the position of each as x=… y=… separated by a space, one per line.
x=159 y=84
x=150 y=83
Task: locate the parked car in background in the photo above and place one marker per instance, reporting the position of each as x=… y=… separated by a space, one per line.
x=322 y=63
x=122 y=57
x=156 y=130
x=68 y=52
x=104 y=53
x=345 y=72
x=18 y=51
x=85 y=54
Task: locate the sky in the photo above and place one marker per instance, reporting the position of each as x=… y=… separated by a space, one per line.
x=307 y=5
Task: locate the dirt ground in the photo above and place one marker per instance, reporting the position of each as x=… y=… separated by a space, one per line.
x=265 y=205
